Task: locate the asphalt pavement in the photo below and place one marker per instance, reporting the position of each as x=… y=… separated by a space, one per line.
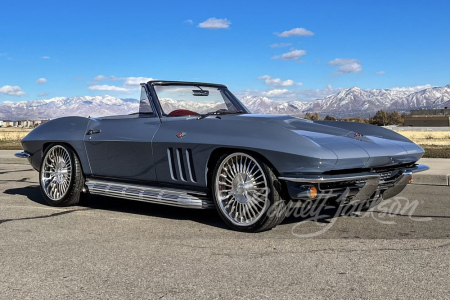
x=110 y=248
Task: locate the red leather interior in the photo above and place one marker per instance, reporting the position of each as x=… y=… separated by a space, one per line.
x=182 y=112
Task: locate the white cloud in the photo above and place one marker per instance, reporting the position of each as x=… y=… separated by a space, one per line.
x=350 y=68
x=292 y=55
x=41 y=80
x=346 y=65
x=281 y=45
x=275 y=92
x=295 y=32
x=342 y=61
x=11 y=90
x=380 y=73
x=43 y=94
x=277 y=81
x=130 y=84
x=101 y=78
x=45 y=57
x=135 y=81
x=213 y=23
x=128 y=81
x=190 y=22
x=108 y=88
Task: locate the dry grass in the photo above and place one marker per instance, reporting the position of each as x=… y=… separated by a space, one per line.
x=13 y=134
x=10 y=138
x=435 y=138
x=435 y=143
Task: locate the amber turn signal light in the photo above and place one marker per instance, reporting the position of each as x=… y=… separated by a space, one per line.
x=312 y=192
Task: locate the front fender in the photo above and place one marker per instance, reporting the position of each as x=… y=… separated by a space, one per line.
x=68 y=130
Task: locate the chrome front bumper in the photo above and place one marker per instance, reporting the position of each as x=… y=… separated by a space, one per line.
x=357 y=186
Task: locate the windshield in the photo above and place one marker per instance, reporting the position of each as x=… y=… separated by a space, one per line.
x=187 y=100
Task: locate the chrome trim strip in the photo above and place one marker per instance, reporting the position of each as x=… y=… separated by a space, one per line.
x=419 y=168
x=347 y=177
x=330 y=178
x=188 y=158
x=179 y=164
x=158 y=195
x=169 y=158
x=22 y=154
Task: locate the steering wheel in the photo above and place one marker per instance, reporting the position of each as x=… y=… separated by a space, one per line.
x=219 y=111
x=182 y=112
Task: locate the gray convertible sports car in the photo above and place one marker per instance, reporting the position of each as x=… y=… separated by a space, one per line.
x=195 y=145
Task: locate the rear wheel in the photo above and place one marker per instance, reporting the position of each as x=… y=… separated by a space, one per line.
x=61 y=179
x=247 y=193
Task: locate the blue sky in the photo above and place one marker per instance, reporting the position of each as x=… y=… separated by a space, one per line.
x=296 y=50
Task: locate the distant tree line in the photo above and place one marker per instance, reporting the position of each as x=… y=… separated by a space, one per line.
x=381 y=118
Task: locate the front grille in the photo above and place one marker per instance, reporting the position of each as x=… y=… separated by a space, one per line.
x=342 y=184
x=389 y=176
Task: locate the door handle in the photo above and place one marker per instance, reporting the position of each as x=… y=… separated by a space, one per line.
x=93 y=131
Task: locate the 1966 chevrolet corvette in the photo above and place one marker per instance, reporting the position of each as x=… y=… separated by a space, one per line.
x=195 y=145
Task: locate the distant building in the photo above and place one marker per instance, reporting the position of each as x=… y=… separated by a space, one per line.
x=7 y=123
x=22 y=123
x=428 y=118
x=37 y=122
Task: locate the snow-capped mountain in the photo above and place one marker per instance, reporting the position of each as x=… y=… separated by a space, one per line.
x=349 y=102
x=437 y=97
x=169 y=105
x=356 y=100
x=264 y=105
x=94 y=106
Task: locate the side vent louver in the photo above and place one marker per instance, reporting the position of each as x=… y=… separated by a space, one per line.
x=181 y=164
x=173 y=171
x=190 y=165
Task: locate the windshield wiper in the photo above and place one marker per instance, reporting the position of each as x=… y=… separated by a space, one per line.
x=220 y=112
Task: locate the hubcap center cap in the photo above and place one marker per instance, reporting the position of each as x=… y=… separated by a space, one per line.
x=59 y=176
x=240 y=188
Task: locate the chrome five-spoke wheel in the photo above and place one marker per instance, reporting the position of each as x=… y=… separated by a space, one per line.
x=242 y=191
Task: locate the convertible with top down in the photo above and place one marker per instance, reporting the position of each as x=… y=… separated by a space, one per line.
x=195 y=145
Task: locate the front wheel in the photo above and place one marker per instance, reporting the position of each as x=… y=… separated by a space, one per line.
x=247 y=193
x=60 y=177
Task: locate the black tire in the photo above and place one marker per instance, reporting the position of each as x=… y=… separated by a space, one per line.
x=274 y=208
x=71 y=186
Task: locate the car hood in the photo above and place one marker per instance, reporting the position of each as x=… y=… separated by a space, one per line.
x=353 y=148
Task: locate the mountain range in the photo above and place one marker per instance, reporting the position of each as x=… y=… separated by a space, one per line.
x=347 y=103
